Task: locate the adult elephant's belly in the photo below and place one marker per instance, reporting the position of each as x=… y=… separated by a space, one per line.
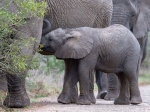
x=76 y=13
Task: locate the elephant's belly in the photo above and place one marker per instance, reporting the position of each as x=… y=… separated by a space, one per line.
x=108 y=68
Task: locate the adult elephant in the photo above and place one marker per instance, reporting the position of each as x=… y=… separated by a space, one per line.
x=32 y=28
x=65 y=14
x=135 y=15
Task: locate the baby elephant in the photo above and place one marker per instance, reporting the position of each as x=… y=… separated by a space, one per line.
x=112 y=50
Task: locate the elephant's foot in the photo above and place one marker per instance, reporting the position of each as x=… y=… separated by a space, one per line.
x=101 y=95
x=92 y=98
x=67 y=98
x=17 y=101
x=111 y=96
x=84 y=100
x=122 y=101
x=136 y=100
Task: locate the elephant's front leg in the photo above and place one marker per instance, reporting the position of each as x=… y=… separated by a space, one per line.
x=84 y=82
x=17 y=96
x=91 y=88
x=69 y=93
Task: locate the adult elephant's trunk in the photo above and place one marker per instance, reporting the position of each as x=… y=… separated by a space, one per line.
x=119 y=17
x=46 y=27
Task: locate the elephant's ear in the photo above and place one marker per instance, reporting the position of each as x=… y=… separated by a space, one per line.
x=76 y=46
x=142 y=24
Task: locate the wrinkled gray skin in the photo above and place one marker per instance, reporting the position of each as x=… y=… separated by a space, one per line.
x=76 y=13
x=3 y=82
x=17 y=96
x=65 y=14
x=135 y=15
x=112 y=50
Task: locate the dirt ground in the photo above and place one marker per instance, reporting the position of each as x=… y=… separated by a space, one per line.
x=50 y=104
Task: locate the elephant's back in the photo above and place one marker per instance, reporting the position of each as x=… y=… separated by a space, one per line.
x=116 y=43
x=119 y=39
x=119 y=34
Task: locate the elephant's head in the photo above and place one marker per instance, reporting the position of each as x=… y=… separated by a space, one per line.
x=133 y=14
x=141 y=25
x=124 y=11
x=67 y=43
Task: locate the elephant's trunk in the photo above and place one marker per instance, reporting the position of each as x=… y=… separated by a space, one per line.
x=46 y=27
x=45 y=52
x=119 y=17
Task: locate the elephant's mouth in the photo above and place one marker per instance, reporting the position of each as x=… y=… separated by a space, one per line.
x=46 y=51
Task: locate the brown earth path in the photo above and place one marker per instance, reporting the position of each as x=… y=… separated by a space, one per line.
x=50 y=104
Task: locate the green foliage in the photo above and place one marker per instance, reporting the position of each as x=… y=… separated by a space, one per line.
x=2 y=96
x=51 y=65
x=16 y=61
x=36 y=9
x=144 y=78
x=11 y=59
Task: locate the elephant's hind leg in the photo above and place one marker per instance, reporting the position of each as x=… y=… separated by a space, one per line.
x=124 y=96
x=17 y=96
x=134 y=89
x=131 y=71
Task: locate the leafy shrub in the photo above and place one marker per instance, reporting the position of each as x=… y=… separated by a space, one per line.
x=11 y=59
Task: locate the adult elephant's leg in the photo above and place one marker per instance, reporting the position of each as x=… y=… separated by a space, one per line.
x=124 y=96
x=16 y=96
x=113 y=87
x=69 y=93
x=3 y=82
x=143 y=44
x=102 y=83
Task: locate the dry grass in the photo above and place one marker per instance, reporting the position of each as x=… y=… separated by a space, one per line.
x=144 y=77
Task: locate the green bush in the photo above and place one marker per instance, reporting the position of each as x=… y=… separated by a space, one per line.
x=51 y=64
x=9 y=47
